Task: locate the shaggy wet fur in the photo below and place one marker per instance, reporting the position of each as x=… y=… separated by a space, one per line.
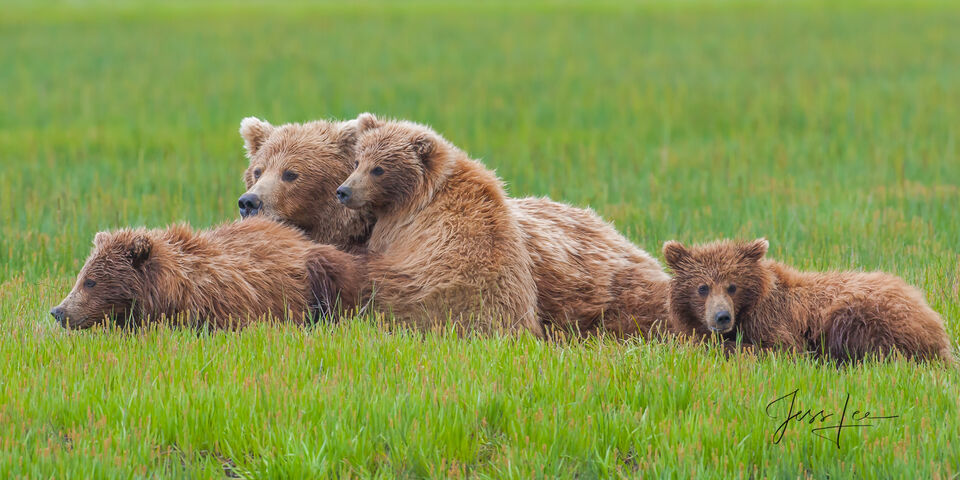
x=842 y=315
x=589 y=278
x=226 y=277
x=446 y=247
x=293 y=166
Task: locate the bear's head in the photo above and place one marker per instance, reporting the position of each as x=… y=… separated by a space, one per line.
x=398 y=165
x=110 y=282
x=293 y=175
x=716 y=284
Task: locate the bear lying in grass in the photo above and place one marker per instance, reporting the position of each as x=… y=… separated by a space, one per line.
x=446 y=247
x=588 y=276
x=728 y=288
x=226 y=277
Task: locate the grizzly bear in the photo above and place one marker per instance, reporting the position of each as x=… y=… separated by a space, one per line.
x=728 y=288
x=226 y=277
x=589 y=277
x=446 y=246
x=294 y=165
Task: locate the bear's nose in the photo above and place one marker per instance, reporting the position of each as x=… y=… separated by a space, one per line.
x=57 y=313
x=722 y=318
x=249 y=204
x=343 y=193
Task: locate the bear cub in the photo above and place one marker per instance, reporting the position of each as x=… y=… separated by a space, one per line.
x=226 y=277
x=729 y=288
x=446 y=246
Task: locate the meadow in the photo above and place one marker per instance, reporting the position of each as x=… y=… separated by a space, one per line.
x=832 y=130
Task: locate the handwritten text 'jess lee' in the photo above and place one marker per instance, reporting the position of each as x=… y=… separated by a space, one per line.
x=795 y=413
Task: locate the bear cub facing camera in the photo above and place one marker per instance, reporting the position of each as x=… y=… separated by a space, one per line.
x=230 y=276
x=446 y=246
x=729 y=288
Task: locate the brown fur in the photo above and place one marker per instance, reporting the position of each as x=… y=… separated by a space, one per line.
x=588 y=277
x=320 y=154
x=842 y=315
x=445 y=243
x=229 y=276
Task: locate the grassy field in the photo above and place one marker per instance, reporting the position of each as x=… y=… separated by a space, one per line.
x=832 y=131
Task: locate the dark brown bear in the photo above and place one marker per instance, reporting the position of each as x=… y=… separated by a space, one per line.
x=226 y=277
x=728 y=288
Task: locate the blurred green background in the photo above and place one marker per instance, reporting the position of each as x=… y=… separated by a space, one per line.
x=830 y=129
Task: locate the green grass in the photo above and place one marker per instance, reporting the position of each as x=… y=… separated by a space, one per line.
x=832 y=131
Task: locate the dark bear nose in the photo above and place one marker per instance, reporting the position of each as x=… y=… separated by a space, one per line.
x=343 y=193
x=249 y=204
x=722 y=317
x=57 y=313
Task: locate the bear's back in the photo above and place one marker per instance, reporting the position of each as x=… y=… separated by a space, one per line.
x=585 y=270
x=246 y=270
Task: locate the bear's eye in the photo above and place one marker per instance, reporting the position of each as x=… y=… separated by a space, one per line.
x=703 y=290
x=289 y=176
x=376 y=172
x=89 y=283
x=732 y=289
x=257 y=173
x=356 y=164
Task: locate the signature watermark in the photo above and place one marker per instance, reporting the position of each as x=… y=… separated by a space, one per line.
x=826 y=425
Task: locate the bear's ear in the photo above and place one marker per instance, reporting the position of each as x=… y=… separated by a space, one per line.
x=254 y=132
x=424 y=144
x=100 y=238
x=754 y=250
x=674 y=252
x=367 y=121
x=347 y=135
x=139 y=250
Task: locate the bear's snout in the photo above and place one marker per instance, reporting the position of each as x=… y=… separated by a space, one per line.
x=63 y=317
x=58 y=313
x=343 y=194
x=719 y=316
x=723 y=321
x=250 y=204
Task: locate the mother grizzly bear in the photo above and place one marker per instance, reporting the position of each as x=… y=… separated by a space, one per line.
x=588 y=277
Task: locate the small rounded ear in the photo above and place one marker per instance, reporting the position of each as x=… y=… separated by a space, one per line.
x=347 y=135
x=674 y=252
x=755 y=250
x=139 y=250
x=423 y=145
x=100 y=238
x=254 y=132
x=367 y=121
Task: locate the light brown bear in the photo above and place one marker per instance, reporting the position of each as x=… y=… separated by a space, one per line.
x=294 y=165
x=446 y=246
x=226 y=277
x=589 y=278
x=728 y=288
